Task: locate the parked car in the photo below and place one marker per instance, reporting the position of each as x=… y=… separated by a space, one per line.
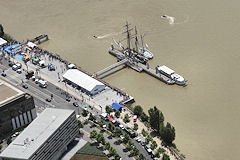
x=68 y=99
x=11 y=64
x=4 y=74
x=36 y=81
x=75 y=104
x=14 y=67
x=19 y=71
x=48 y=100
x=143 y=143
x=19 y=65
x=96 y=121
x=148 y=150
x=25 y=86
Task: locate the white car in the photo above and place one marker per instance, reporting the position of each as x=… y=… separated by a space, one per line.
x=19 y=71
x=19 y=65
x=36 y=81
x=104 y=126
x=121 y=126
x=14 y=67
x=122 y=137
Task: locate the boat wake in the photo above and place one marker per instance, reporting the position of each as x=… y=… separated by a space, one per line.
x=106 y=35
x=170 y=19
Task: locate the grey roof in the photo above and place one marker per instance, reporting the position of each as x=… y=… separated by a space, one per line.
x=36 y=133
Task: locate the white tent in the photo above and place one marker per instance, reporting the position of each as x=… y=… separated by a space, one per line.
x=91 y=85
x=2 y=41
x=30 y=44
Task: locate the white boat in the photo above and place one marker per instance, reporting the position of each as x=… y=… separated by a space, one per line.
x=146 y=53
x=171 y=74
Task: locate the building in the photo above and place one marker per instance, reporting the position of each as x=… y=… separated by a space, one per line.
x=83 y=81
x=17 y=109
x=46 y=138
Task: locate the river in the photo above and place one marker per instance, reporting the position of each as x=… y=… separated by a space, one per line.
x=202 y=45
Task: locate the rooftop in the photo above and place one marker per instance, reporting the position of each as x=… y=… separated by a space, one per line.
x=81 y=79
x=8 y=92
x=36 y=134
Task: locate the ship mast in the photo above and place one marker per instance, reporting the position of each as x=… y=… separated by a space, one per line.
x=136 y=39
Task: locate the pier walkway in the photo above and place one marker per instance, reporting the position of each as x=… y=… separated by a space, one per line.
x=110 y=67
x=139 y=67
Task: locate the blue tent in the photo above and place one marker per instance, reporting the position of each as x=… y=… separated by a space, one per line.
x=117 y=106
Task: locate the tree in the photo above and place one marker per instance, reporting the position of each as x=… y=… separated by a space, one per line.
x=148 y=138
x=144 y=117
x=156 y=117
x=168 y=134
x=92 y=117
x=138 y=110
x=153 y=145
x=117 y=113
x=108 y=109
x=129 y=145
x=101 y=123
x=118 y=132
x=126 y=119
x=135 y=151
x=93 y=134
x=107 y=146
x=111 y=127
x=135 y=127
x=117 y=157
x=141 y=157
x=165 y=157
x=9 y=140
x=112 y=151
x=157 y=154
x=0 y=147
x=80 y=125
x=144 y=133
x=1 y=31
x=126 y=138
x=85 y=113
x=100 y=138
x=161 y=150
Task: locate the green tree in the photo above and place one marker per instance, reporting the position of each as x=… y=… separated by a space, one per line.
x=108 y=109
x=161 y=150
x=118 y=132
x=135 y=151
x=148 y=138
x=92 y=117
x=1 y=31
x=144 y=117
x=112 y=151
x=153 y=145
x=0 y=147
x=117 y=113
x=80 y=125
x=144 y=133
x=168 y=134
x=157 y=154
x=101 y=123
x=111 y=127
x=107 y=146
x=117 y=157
x=100 y=138
x=135 y=128
x=165 y=157
x=84 y=113
x=126 y=138
x=156 y=117
x=138 y=110
x=9 y=140
x=126 y=119
x=129 y=145
x=141 y=157
x=93 y=134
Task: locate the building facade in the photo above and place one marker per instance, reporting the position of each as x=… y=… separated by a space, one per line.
x=17 y=109
x=46 y=138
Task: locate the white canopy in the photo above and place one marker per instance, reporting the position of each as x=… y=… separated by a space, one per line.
x=30 y=44
x=84 y=81
x=2 y=41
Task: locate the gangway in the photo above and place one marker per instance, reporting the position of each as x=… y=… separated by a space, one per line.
x=110 y=67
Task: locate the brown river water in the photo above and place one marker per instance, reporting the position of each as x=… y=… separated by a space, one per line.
x=202 y=45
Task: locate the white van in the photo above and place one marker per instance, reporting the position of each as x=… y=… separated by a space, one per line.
x=14 y=67
x=42 y=83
